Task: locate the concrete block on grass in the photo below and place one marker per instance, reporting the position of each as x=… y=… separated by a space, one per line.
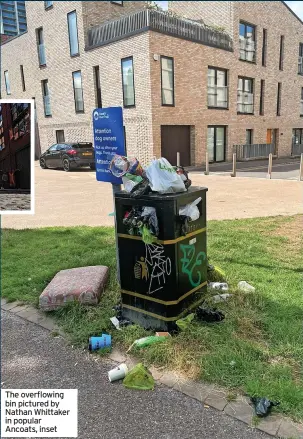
x=83 y=284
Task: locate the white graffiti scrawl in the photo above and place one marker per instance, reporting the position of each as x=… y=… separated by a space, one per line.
x=158 y=267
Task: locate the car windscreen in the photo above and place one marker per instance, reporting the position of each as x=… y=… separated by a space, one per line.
x=82 y=145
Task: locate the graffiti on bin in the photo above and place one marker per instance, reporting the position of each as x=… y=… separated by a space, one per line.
x=154 y=268
x=191 y=262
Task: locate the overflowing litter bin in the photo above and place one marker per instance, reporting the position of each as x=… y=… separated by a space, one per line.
x=162 y=281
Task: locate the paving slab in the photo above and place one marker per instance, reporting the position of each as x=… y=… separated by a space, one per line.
x=240 y=409
x=117 y=355
x=270 y=425
x=156 y=373
x=3 y=302
x=217 y=399
x=10 y=305
x=291 y=430
x=194 y=389
x=169 y=378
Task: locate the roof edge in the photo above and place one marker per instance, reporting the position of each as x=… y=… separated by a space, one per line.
x=293 y=13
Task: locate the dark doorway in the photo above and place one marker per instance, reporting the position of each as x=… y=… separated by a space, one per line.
x=23 y=162
x=176 y=138
x=60 y=136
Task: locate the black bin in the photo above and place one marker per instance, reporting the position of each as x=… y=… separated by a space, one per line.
x=163 y=281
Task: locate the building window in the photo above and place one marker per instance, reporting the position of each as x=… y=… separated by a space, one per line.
x=22 y=78
x=7 y=83
x=46 y=98
x=279 y=98
x=73 y=33
x=60 y=136
x=118 y=3
x=249 y=137
x=167 y=81
x=216 y=140
x=300 y=60
x=20 y=118
x=262 y=92
x=245 y=101
x=97 y=87
x=48 y=5
x=217 y=91
x=78 y=92
x=41 y=47
x=128 y=86
x=281 y=52
x=301 y=111
x=247 y=42
x=264 y=48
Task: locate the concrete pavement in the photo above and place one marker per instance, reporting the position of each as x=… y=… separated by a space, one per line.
x=33 y=359
x=76 y=198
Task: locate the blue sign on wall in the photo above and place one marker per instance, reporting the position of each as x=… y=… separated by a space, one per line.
x=108 y=141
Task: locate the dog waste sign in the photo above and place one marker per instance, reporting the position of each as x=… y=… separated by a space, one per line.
x=108 y=141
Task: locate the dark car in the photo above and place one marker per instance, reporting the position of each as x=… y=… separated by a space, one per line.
x=68 y=156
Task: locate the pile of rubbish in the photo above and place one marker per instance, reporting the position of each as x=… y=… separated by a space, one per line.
x=142 y=221
x=159 y=176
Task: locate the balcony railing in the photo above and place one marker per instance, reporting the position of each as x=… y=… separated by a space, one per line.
x=255 y=151
x=297 y=149
x=47 y=106
x=300 y=65
x=247 y=49
x=245 y=102
x=157 y=21
x=217 y=96
x=42 y=58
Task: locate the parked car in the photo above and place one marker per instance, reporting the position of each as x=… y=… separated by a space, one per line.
x=68 y=156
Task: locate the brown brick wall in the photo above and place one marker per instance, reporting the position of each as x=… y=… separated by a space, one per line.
x=191 y=62
x=217 y=13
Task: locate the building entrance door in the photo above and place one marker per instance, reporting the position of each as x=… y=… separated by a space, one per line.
x=216 y=140
x=176 y=138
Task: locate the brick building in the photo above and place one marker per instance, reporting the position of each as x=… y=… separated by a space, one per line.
x=15 y=145
x=203 y=76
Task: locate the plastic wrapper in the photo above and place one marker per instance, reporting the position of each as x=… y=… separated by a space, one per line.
x=139 y=378
x=191 y=210
x=163 y=178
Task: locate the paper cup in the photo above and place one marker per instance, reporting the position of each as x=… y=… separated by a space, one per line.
x=118 y=373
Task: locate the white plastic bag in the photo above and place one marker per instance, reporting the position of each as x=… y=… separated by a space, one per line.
x=163 y=178
x=191 y=210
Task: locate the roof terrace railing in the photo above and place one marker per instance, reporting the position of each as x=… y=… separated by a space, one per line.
x=157 y=21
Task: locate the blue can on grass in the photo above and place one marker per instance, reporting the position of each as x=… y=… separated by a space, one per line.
x=99 y=342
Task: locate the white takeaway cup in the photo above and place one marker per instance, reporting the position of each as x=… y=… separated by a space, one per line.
x=118 y=373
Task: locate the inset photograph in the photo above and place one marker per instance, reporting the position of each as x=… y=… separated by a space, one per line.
x=16 y=156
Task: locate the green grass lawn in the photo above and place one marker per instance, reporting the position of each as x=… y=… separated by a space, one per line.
x=258 y=349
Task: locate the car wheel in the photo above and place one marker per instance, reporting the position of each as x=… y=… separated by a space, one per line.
x=92 y=166
x=66 y=165
x=43 y=164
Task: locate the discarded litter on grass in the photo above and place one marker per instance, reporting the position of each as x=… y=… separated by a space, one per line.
x=118 y=373
x=263 y=406
x=139 y=378
x=99 y=342
x=221 y=286
x=185 y=322
x=246 y=287
x=209 y=315
x=147 y=341
x=221 y=297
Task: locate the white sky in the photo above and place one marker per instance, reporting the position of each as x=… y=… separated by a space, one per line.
x=296 y=6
